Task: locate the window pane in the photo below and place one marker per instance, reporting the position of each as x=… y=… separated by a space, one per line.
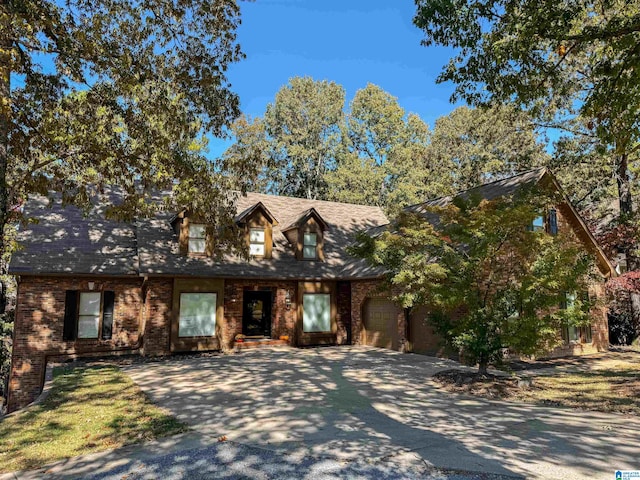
x=196 y=230
x=256 y=235
x=316 y=312
x=197 y=315
x=256 y=249
x=310 y=239
x=89 y=303
x=574 y=333
x=538 y=224
x=88 y=326
x=309 y=252
x=196 y=245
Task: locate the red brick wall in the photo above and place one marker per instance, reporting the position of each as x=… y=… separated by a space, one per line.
x=343 y=320
x=282 y=320
x=39 y=323
x=157 y=316
x=599 y=328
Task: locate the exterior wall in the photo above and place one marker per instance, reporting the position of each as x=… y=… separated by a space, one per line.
x=193 y=285
x=317 y=338
x=157 y=316
x=599 y=329
x=282 y=320
x=343 y=319
x=39 y=324
x=360 y=291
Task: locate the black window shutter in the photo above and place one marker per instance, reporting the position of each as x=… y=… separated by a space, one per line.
x=107 y=314
x=70 y=310
x=553 y=222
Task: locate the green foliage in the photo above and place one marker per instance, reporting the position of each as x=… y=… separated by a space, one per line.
x=304 y=124
x=480 y=145
x=6 y=332
x=386 y=162
x=489 y=282
x=574 y=65
x=542 y=54
x=115 y=92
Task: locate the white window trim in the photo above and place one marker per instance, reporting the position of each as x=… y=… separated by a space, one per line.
x=263 y=243
x=79 y=315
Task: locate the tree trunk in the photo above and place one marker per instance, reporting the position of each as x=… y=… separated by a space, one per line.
x=5 y=125
x=483 y=365
x=624 y=185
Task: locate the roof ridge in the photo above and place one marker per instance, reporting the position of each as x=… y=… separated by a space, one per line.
x=311 y=200
x=460 y=192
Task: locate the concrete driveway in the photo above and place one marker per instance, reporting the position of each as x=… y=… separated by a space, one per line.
x=372 y=405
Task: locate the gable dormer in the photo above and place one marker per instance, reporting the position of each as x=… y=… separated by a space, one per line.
x=258 y=223
x=306 y=234
x=194 y=237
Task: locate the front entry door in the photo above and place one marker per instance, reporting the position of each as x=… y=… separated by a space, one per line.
x=256 y=314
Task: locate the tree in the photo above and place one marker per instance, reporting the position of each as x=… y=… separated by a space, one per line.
x=304 y=126
x=557 y=59
x=118 y=92
x=489 y=282
x=480 y=145
x=385 y=163
x=96 y=92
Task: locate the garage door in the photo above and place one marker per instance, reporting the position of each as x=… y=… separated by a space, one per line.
x=422 y=338
x=380 y=323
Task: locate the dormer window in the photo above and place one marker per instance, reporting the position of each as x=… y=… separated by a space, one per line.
x=256 y=242
x=310 y=245
x=197 y=238
x=306 y=234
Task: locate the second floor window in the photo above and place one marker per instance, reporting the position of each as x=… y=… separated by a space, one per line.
x=309 y=245
x=197 y=238
x=256 y=242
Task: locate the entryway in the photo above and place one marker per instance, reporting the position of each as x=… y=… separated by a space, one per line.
x=256 y=313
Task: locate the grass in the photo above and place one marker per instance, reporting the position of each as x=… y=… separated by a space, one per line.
x=606 y=383
x=89 y=409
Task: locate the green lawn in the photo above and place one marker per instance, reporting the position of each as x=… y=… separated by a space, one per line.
x=89 y=409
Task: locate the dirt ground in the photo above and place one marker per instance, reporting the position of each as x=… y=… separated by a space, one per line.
x=606 y=382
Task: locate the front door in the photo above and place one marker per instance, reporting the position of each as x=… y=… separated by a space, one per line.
x=256 y=314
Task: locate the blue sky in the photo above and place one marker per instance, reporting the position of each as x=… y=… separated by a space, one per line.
x=351 y=42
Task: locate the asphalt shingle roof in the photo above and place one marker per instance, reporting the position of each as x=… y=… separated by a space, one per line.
x=159 y=255
x=65 y=241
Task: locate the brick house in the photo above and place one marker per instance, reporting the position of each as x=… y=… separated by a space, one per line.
x=89 y=286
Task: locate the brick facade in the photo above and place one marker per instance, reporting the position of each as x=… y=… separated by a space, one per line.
x=157 y=316
x=145 y=327
x=283 y=320
x=38 y=329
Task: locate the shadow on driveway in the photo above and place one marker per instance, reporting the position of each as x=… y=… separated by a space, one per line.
x=362 y=404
